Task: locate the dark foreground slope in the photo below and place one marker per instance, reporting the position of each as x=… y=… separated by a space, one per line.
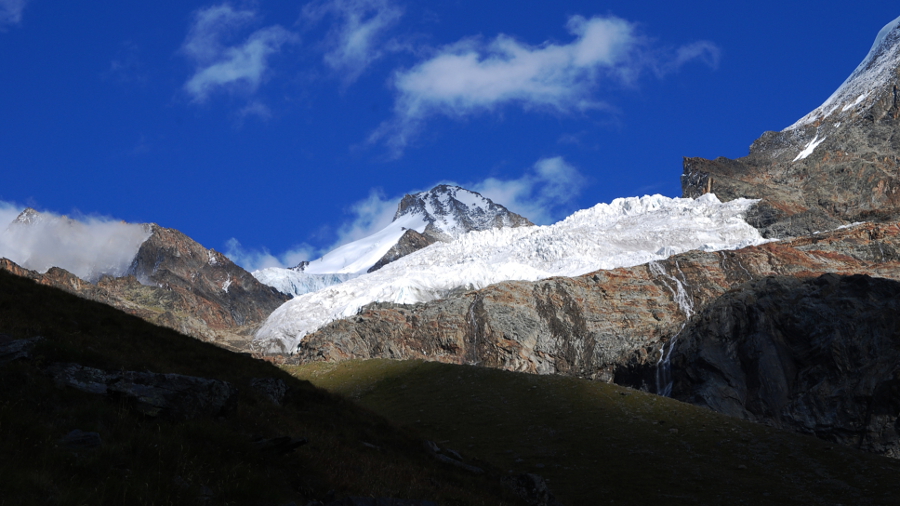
x=230 y=455
x=598 y=443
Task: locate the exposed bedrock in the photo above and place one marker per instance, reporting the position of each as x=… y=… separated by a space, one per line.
x=607 y=325
x=818 y=355
x=850 y=176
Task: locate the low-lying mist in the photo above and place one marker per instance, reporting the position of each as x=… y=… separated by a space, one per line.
x=89 y=247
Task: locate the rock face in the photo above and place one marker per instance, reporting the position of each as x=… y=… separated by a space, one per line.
x=608 y=325
x=835 y=166
x=175 y=282
x=819 y=356
x=451 y=211
x=410 y=241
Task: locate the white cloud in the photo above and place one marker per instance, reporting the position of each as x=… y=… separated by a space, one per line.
x=253 y=260
x=369 y=216
x=218 y=65
x=88 y=247
x=473 y=76
x=355 y=40
x=544 y=194
x=11 y=12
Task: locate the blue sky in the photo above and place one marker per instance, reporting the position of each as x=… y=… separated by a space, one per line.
x=288 y=127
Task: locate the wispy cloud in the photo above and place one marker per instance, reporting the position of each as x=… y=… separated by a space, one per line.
x=474 y=76
x=255 y=259
x=356 y=38
x=543 y=194
x=370 y=215
x=88 y=246
x=224 y=61
x=11 y=12
x=126 y=66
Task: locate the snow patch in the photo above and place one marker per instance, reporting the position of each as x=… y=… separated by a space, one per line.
x=808 y=150
x=625 y=232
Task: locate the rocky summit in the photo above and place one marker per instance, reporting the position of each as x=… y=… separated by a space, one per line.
x=451 y=211
x=837 y=165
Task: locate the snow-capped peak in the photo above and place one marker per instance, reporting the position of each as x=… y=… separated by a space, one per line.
x=451 y=211
x=861 y=88
x=443 y=213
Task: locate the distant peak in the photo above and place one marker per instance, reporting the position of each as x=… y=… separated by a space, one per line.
x=28 y=216
x=451 y=211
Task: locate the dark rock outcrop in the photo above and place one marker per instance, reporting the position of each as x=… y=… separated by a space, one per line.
x=79 y=440
x=171 y=395
x=819 y=356
x=409 y=242
x=16 y=349
x=532 y=488
x=272 y=388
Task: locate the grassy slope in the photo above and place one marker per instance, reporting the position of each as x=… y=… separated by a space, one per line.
x=603 y=444
x=156 y=461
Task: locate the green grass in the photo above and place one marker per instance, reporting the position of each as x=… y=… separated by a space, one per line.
x=156 y=461
x=603 y=444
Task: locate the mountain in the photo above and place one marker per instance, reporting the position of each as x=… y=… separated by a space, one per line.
x=836 y=165
x=623 y=233
x=156 y=273
x=798 y=333
x=441 y=214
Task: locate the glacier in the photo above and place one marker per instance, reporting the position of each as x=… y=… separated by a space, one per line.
x=625 y=232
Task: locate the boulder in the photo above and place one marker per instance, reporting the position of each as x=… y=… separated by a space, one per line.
x=171 y=395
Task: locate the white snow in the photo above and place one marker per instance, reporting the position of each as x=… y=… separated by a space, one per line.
x=226 y=284
x=808 y=150
x=855 y=103
x=358 y=256
x=625 y=232
x=876 y=70
x=439 y=208
x=296 y=283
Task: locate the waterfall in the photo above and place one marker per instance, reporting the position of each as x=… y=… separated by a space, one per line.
x=686 y=304
x=474 y=324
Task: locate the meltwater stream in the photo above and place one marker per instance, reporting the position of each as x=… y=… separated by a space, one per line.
x=686 y=303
